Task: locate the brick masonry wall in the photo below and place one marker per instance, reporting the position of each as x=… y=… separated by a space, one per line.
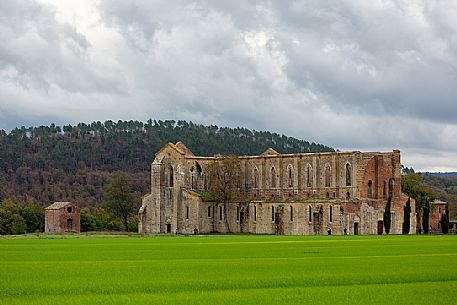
x=57 y=221
x=436 y=212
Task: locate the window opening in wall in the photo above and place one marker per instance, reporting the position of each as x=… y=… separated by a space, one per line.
x=334 y=194
x=255 y=213
x=187 y=212
x=327 y=195
x=348 y=195
x=310 y=214
x=209 y=211
x=192 y=178
x=391 y=186
x=328 y=175
x=308 y=195
x=237 y=213
x=220 y=213
x=348 y=174
x=308 y=176
x=171 y=180
x=291 y=213
x=331 y=214
x=384 y=189
x=370 y=188
x=273 y=177
x=256 y=178
x=291 y=179
x=69 y=209
x=272 y=213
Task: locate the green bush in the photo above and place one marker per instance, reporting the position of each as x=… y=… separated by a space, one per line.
x=18 y=224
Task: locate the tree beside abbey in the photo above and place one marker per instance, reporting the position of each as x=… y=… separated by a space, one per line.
x=41 y=165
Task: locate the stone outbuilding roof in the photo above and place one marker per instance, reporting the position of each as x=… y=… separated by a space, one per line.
x=58 y=205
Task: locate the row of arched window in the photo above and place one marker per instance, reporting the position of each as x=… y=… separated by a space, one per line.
x=308 y=179
x=291 y=215
x=273 y=213
x=290 y=175
x=387 y=189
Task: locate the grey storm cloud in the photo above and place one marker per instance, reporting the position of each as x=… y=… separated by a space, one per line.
x=362 y=75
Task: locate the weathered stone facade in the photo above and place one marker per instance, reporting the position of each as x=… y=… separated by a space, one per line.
x=301 y=194
x=61 y=217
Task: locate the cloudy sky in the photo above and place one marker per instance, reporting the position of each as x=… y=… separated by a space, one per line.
x=357 y=75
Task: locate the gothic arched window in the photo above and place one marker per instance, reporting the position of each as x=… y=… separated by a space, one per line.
x=171 y=180
x=328 y=175
x=348 y=174
x=308 y=176
x=391 y=186
x=256 y=178
x=370 y=189
x=273 y=177
x=192 y=177
x=290 y=175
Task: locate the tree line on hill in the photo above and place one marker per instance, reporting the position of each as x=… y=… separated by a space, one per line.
x=41 y=165
x=130 y=145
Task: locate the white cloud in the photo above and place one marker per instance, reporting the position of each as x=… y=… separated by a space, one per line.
x=366 y=75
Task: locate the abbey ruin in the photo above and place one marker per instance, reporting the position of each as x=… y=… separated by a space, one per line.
x=300 y=194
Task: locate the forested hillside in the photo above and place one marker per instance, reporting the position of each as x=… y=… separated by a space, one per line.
x=51 y=163
x=445 y=184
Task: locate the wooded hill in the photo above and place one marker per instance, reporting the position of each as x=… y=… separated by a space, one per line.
x=52 y=163
x=444 y=184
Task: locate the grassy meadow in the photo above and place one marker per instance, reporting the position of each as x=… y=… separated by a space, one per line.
x=229 y=270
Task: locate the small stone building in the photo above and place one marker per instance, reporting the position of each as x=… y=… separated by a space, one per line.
x=437 y=210
x=62 y=217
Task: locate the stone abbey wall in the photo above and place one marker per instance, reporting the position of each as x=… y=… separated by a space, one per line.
x=303 y=194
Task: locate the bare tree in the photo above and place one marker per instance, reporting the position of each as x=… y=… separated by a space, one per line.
x=224 y=182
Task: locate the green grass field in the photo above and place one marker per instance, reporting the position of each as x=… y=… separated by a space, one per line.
x=229 y=270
